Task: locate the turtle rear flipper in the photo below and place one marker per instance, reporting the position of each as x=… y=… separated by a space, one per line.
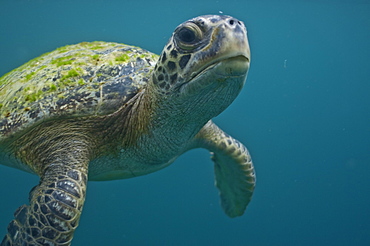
x=234 y=171
x=55 y=203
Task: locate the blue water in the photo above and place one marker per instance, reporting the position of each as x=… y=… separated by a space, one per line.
x=304 y=115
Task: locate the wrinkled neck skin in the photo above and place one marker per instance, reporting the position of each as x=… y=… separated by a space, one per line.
x=173 y=120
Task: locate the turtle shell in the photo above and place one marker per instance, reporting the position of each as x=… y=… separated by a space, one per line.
x=85 y=79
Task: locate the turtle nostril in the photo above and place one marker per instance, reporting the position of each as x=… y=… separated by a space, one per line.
x=234 y=22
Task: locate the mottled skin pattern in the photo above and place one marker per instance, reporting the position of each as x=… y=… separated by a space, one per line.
x=103 y=111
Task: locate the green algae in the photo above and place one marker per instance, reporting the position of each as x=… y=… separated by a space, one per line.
x=81 y=82
x=71 y=73
x=97 y=47
x=61 y=61
x=123 y=58
x=29 y=76
x=52 y=87
x=32 y=97
x=95 y=57
x=62 y=49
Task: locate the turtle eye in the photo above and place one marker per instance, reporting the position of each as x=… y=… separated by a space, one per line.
x=188 y=36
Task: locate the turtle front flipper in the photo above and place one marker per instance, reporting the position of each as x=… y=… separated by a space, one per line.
x=234 y=171
x=55 y=204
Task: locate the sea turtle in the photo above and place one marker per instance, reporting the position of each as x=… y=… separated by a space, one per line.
x=104 y=111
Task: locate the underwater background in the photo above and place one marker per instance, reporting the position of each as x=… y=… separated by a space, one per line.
x=304 y=114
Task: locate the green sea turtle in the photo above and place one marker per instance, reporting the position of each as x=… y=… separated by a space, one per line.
x=104 y=111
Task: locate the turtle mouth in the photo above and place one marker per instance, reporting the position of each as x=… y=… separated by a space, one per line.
x=233 y=66
x=218 y=71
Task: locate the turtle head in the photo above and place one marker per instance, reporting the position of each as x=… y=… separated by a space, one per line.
x=206 y=60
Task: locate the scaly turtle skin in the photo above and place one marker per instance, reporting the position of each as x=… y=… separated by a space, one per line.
x=103 y=111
